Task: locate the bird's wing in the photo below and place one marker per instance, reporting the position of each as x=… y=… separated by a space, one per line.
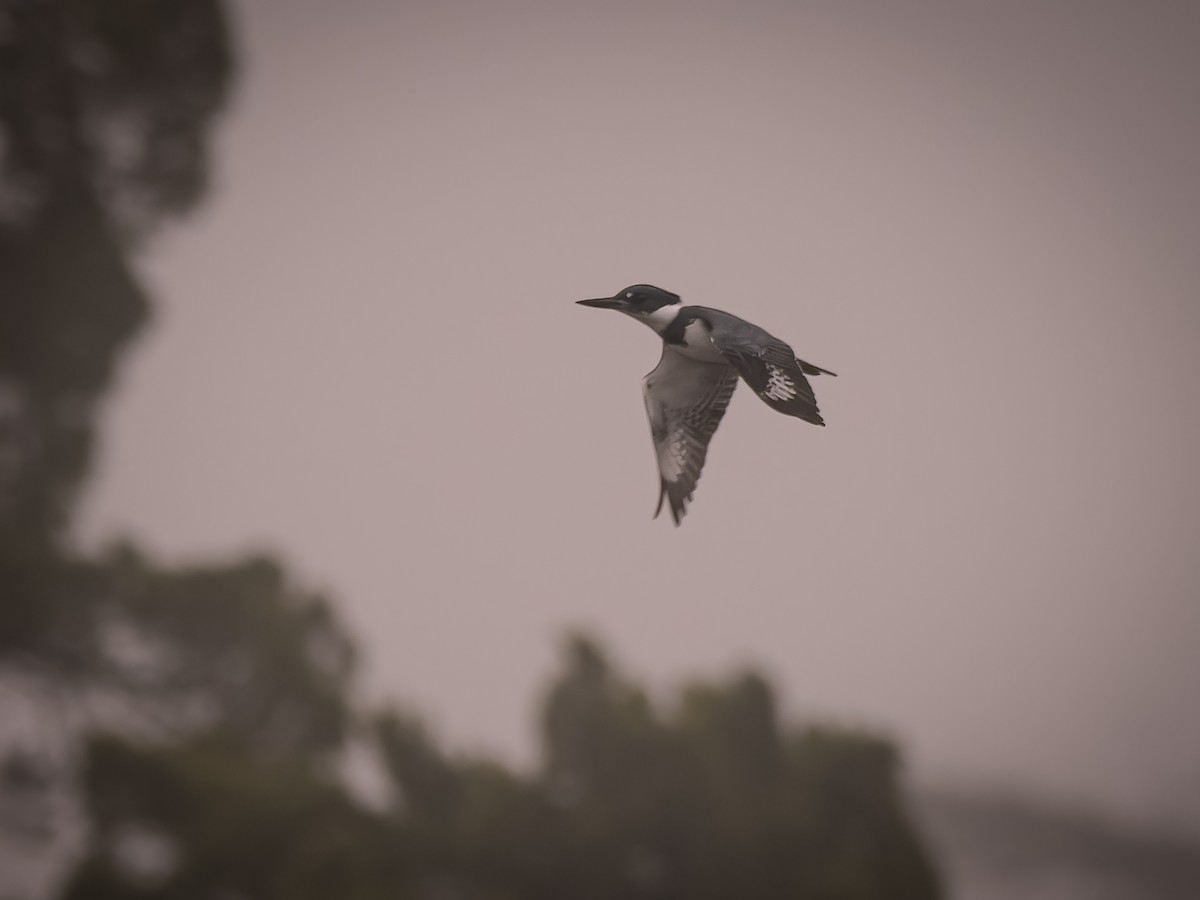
x=774 y=373
x=685 y=400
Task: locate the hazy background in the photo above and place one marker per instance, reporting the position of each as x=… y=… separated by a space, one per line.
x=366 y=355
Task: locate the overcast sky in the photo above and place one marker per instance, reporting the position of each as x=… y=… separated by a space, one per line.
x=985 y=219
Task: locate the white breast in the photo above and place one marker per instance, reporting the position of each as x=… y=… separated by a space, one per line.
x=699 y=343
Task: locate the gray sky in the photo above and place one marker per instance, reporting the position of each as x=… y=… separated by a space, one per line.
x=987 y=220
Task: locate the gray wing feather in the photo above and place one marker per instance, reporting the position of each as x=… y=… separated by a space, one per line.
x=774 y=372
x=685 y=400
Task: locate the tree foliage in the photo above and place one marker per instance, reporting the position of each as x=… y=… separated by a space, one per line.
x=708 y=796
x=105 y=113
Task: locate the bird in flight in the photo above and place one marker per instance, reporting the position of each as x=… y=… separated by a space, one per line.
x=704 y=352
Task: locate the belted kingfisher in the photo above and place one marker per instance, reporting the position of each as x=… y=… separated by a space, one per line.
x=704 y=352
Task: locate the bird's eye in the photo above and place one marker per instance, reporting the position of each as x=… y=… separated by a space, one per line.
x=629 y=295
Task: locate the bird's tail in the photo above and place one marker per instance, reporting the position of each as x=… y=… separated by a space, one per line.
x=810 y=369
x=678 y=499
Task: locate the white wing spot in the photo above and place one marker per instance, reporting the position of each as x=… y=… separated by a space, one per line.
x=779 y=386
x=628 y=295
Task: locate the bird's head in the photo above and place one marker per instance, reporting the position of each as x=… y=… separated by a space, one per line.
x=644 y=302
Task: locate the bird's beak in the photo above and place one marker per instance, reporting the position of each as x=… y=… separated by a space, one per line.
x=602 y=303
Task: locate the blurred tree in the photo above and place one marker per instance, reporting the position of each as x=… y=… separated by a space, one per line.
x=105 y=110
x=710 y=798
x=105 y=114
x=232 y=786
x=233 y=647
x=473 y=829
x=206 y=818
x=225 y=778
